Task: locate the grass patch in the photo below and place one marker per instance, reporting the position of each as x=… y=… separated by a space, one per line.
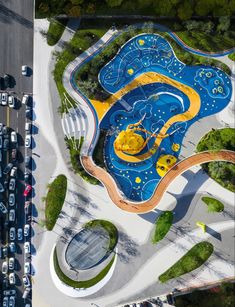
x=74 y=147
x=55 y=31
x=109 y=227
x=213 y=204
x=55 y=200
x=192 y=260
x=221 y=172
x=232 y=56
x=80 y=284
x=80 y=42
x=163 y=225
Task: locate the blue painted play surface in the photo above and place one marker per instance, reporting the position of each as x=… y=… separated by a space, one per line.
x=157 y=103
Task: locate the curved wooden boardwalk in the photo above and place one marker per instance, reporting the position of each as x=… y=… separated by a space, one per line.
x=176 y=170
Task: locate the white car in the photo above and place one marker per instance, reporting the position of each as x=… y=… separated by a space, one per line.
x=4 y=267
x=11 y=101
x=3 y=207
x=11 y=199
x=11 y=263
x=24 y=70
x=27 y=268
x=26 y=230
x=4 y=99
x=12 y=215
x=13 y=137
x=13 y=171
x=28 y=141
x=26 y=281
x=12 y=278
x=12 y=233
x=27 y=247
x=25 y=99
x=12 y=184
x=20 y=234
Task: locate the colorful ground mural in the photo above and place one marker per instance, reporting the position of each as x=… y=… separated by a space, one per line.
x=155 y=98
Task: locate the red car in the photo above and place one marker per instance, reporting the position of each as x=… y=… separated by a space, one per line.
x=27 y=190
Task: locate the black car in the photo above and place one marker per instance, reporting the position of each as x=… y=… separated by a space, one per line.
x=5 y=184
x=5 y=131
x=5 y=283
x=14 y=154
x=6 y=144
x=28 y=113
x=7 y=80
x=2 y=86
x=27 y=161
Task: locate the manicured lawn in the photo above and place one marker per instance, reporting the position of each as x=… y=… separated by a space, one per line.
x=221 y=172
x=55 y=31
x=55 y=200
x=163 y=225
x=109 y=227
x=75 y=160
x=213 y=204
x=80 y=42
x=80 y=284
x=192 y=260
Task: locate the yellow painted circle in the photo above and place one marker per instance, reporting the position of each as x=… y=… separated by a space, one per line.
x=137 y=180
x=130 y=71
x=141 y=42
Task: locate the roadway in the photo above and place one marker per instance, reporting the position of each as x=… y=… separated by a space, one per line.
x=16 y=49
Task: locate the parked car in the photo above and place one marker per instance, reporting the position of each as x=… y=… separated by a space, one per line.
x=5 y=251
x=27 y=268
x=12 y=233
x=24 y=70
x=12 y=301
x=2 y=85
x=27 y=161
x=28 y=127
x=27 y=248
x=28 y=113
x=6 y=144
x=5 y=302
x=1 y=141
x=25 y=295
x=25 y=99
x=4 y=267
x=12 y=247
x=28 y=141
x=20 y=234
x=12 y=184
x=5 y=282
x=9 y=292
x=27 y=177
x=3 y=208
x=5 y=131
x=27 y=190
x=1 y=188
x=11 y=199
x=1 y=124
x=13 y=137
x=7 y=80
x=14 y=154
x=0 y=169
x=27 y=207
x=0 y=156
x=13 y=172
x=26 y=281
x=12 y=278
x=8 y=168
x=11 y=101
x=11 y=263
x=12 y=215
x=26 y=230
x=4 y=99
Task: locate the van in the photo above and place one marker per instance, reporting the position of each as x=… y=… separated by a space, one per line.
x=13 y=137
x=28 y=127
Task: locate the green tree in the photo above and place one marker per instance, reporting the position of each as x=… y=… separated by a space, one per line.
x=203 y=8
x=185 y=11
x=114 y=3
x=224 y=24
x=76 y=2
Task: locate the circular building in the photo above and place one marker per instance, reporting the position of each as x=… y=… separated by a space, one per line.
x=91 y=245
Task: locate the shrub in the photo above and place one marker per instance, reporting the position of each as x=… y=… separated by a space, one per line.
x=214 y=205
x=163 y=225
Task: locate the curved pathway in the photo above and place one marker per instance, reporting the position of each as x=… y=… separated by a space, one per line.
x=176 y=170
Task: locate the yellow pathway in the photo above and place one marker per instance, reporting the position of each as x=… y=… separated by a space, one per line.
x=148 y=78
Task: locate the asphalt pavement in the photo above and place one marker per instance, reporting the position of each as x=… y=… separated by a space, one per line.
x=16 y=49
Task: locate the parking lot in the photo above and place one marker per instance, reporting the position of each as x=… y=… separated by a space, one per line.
x=16 y=143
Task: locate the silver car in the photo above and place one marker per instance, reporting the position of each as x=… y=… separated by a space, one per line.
x=11 y=199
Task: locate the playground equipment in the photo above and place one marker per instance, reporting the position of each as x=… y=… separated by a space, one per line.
x=164 y=163
x=202 y=226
